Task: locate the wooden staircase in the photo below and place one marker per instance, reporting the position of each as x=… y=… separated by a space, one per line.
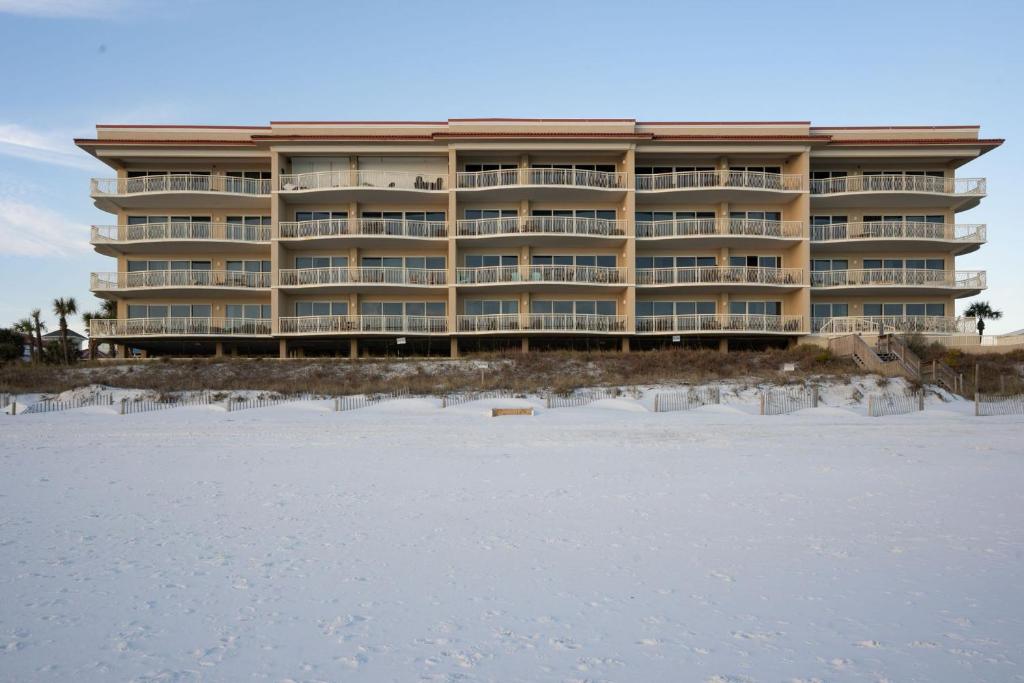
x=891 y=357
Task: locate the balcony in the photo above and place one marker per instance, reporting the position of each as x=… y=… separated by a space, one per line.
x=720 y=323
x=361 y=279
x=547 y=230
x=523 y=277
x=180 y=327
x=718 y=185
x=737 y=232
x=365 y=186
x=722 y=278
x=541 y=183
x=367 y=232
x=541 y=322
x=364 y=325
x=179 y=237
x=879 y=191
x=181 y=190
x=896 y=236
x=176 y=282
x=903 y=324
x=886 y=280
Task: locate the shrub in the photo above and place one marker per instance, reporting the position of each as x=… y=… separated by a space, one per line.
x=10 y=344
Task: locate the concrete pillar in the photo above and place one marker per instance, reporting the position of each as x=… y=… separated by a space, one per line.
x=723 y=345
x=625 y=344
x=454 y=349
x=629 y=254
x=121 y=351
x=282 y=348
x=524 y=345
x=353 y=348
x=218 y=349
x=143 y=353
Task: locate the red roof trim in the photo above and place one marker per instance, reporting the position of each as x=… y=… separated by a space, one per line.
x=158 y=125
x=544 y=120
x=299 y=138
x=967 y=125
x=136 y=141
x=969 y=142
x=722 y=123
x=538 y=134
x=757 y=138
x=360 y=123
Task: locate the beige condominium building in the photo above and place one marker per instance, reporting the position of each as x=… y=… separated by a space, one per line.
x=363 y=237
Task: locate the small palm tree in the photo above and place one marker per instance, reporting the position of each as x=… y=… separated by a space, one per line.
x=108 y=310
x=982 y=310
x=39 y=326
x=62 y=308
x=26 y=327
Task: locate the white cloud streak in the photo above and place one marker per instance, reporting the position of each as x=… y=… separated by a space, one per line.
x=64 y=9
x=30 y=230
x=46 y=147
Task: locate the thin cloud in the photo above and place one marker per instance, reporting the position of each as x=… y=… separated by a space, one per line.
x=64 y=9
x=30 y=230
x=49 y=147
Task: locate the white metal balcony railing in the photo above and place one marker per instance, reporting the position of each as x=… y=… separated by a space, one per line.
x=751 y=275
x=924 y=324
x=898 y=230
x=350 y=179
x=424 y=277
x=595 y=275
x=898 y=183
x=349 y=324
x=541 y=322
x=141 y=327
x=368 y=227
x=181 y=182
x=181 y=230
x=907 y=277
x=720 y=178
x=559 y=177
x=541 y=225
x=719 y=322
x=179 y=278
x=700 y=227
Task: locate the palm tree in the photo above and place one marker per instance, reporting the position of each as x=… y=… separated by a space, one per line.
x=62 y=308
x=108 y=310
x=982 y=311
x=39 y=327
x=26 y=327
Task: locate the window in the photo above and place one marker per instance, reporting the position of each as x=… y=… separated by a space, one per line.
x=321 y=261
x=910 y=263
x=141 y=266
x=603 y=214
x=755 y=307
x=756 y=215
x=490 y=260
x=898 y=309
x=491 y=307
x=647 y=262
x=419 y=262
x=658 y=170
x=756 y=261
x=478 y=168
x=301 y=216
x=173 y=310
x=656 y=308
x=307 y=308
x=262 y=266
x=250 y=182
x=543 y=307
x=818 y=265
x=251 y=311
x=602 y=260
x=830 y=310
x=478 y=214
x=398 y=308
x=250 y=228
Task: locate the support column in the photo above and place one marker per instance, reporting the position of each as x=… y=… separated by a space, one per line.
x=723 y=345
x=121 y=351
x=282 y=348
x=629 y=255
x=218 y=349
x=353 y=348
x=524 y=345
x=454 y=349
x=451 y=217
x=625 y=344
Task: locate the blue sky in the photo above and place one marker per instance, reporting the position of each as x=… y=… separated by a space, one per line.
x=69 y=64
